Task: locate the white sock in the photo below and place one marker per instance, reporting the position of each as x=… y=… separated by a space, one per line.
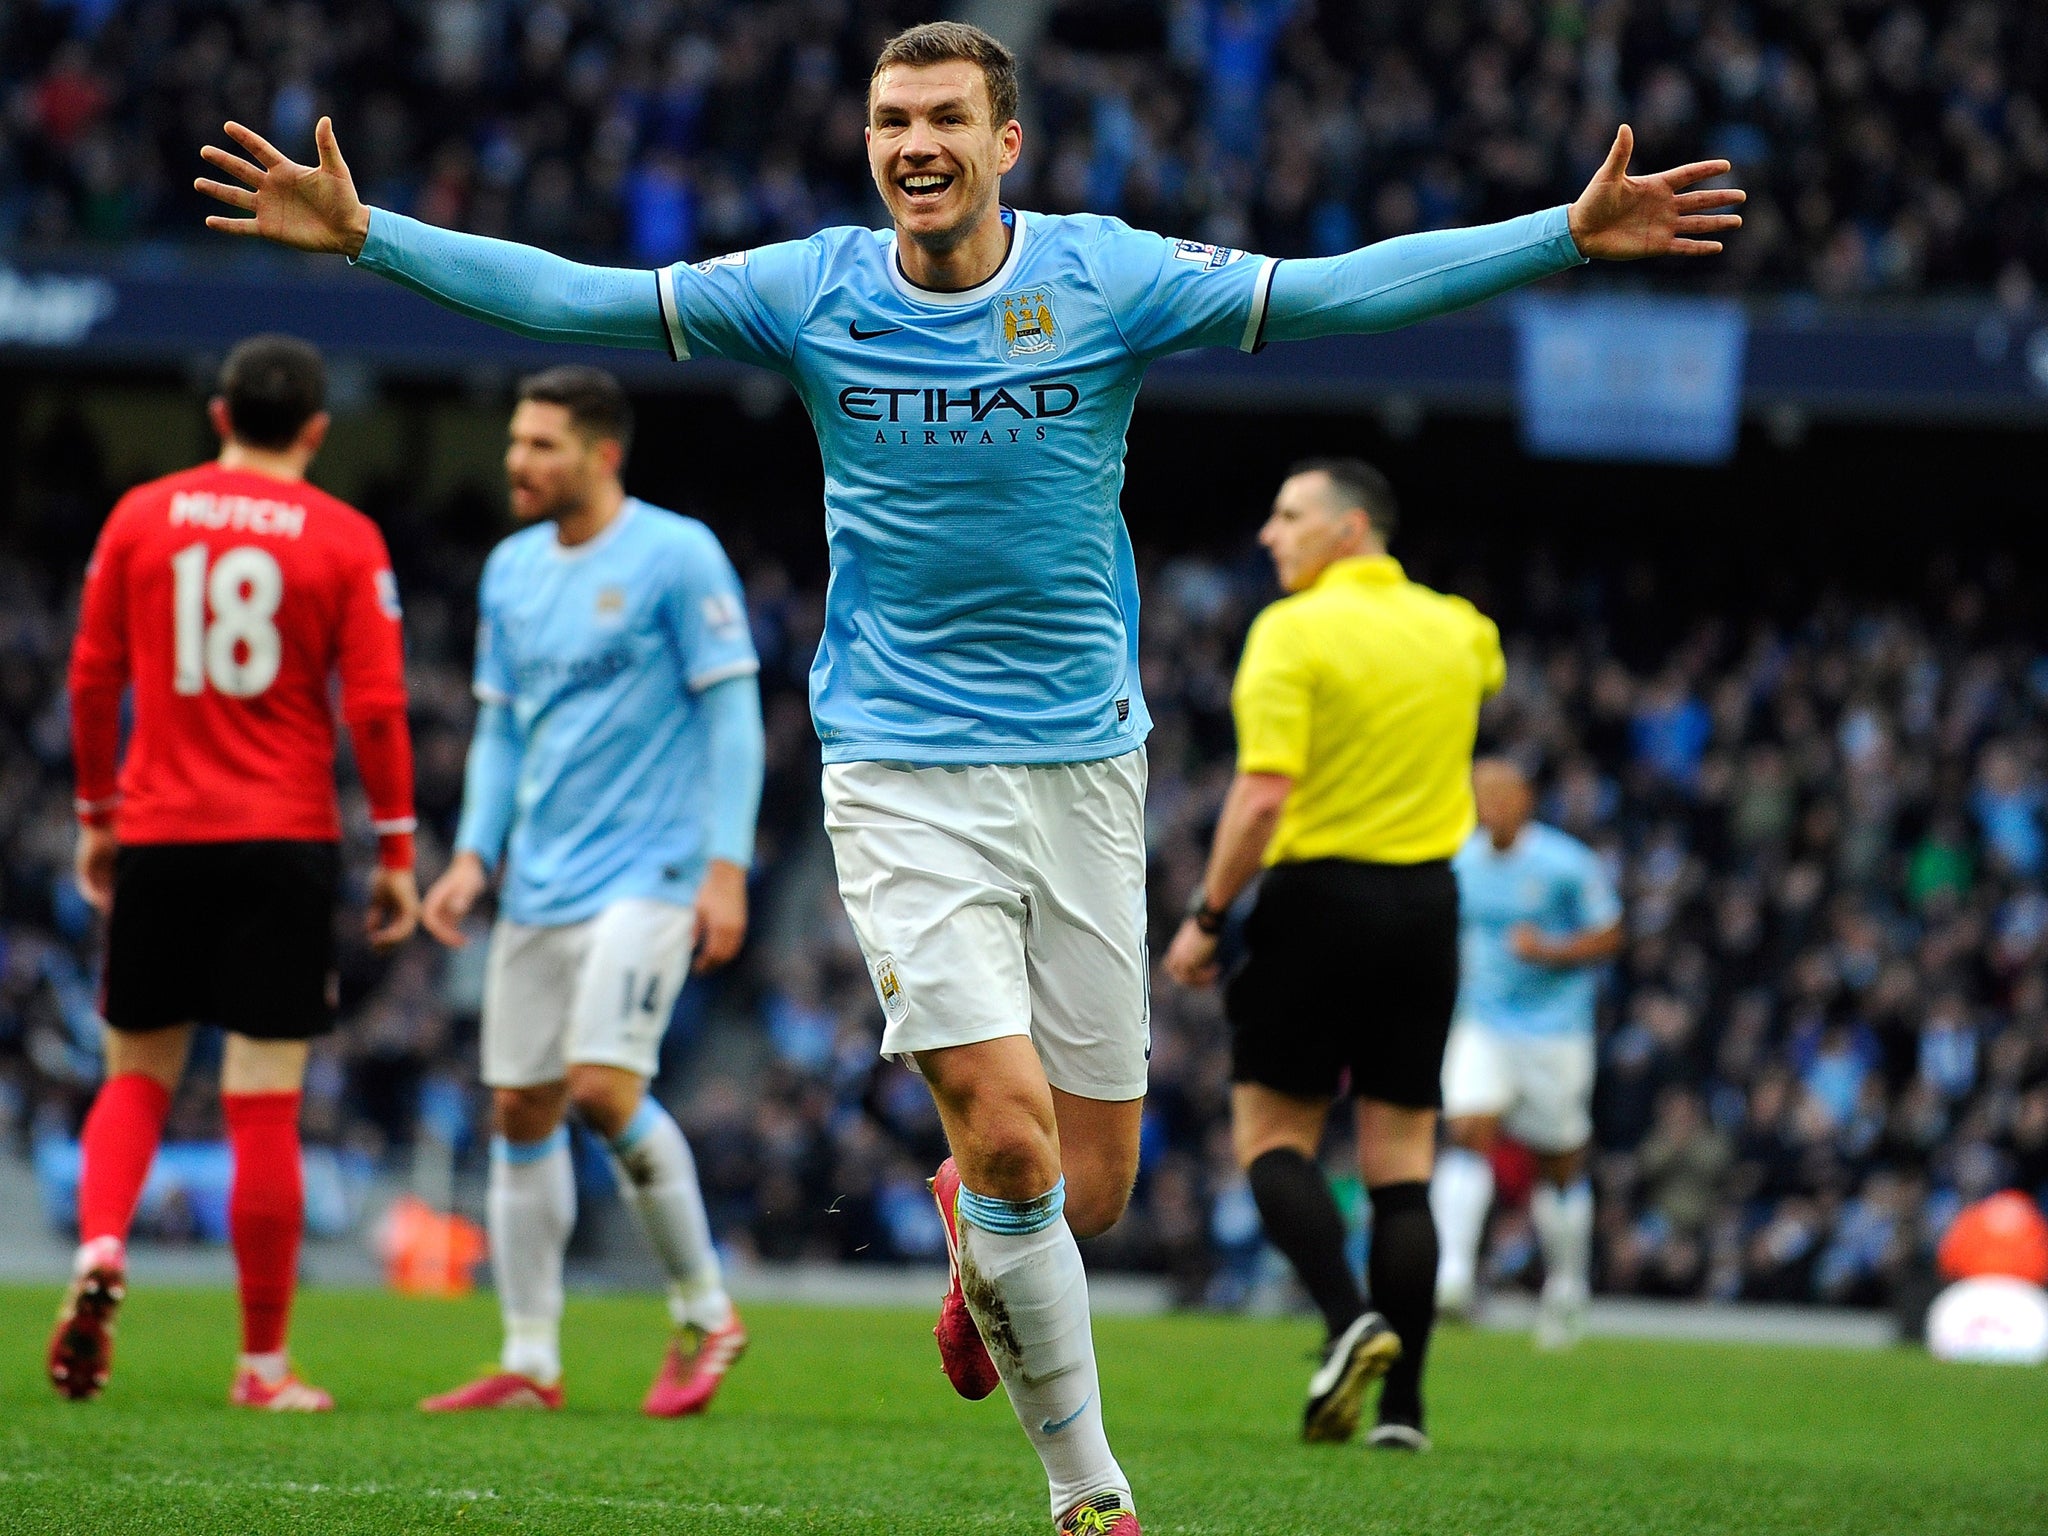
x=270 y=1367
x=532 y=1209
x=658 y=1176
x=1564 y=1228
x=1460 y=1194
x=101 y=1252
x=1022 y=1275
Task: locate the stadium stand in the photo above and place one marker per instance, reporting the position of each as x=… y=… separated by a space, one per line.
x=1829 y=1030
x=1890 y=146
x=1830 y=1027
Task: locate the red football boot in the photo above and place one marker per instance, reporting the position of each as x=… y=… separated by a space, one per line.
x=962 y=1354
x=689 y=1379
x=499 y=1389
x=1102 y=1514
x=290 y=1395
x=82 y=1346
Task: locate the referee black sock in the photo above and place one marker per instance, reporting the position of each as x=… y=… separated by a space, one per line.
x=1402 y=1273
x=1303 y=1221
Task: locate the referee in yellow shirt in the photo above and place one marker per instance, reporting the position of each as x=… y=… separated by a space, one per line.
x=1356 y=704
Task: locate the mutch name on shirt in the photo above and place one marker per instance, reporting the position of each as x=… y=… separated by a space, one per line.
x=243 y=514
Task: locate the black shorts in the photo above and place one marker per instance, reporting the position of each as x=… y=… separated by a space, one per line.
x=235 y=934
x=1352 y=968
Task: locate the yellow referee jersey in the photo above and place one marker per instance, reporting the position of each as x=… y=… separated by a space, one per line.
x=1365 y=690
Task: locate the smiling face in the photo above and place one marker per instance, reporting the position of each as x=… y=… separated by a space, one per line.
x=935 y=150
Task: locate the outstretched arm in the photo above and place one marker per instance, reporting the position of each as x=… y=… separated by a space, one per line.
x=315 y=208
x=1398 y=282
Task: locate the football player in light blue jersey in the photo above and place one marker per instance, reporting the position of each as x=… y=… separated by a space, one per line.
x=612 y=785
x=970 y=373
x=1539 y=917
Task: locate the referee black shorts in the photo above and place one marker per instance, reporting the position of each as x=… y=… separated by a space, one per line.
x=1352 y=969
x=236 y=934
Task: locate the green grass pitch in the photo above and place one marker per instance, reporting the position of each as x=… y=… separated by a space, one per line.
x=839 y=1421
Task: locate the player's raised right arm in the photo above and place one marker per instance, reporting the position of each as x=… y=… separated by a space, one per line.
x=315 y=208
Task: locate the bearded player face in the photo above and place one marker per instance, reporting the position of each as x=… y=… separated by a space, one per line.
x=552 y=466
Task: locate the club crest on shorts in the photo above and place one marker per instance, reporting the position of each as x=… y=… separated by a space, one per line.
x=1025 y=326
x=890 y=990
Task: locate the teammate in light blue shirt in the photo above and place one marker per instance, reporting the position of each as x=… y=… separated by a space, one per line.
x=970 y=374
x=1539 y=919
x=612 y=785
x=1544 y=887
x=598 y=668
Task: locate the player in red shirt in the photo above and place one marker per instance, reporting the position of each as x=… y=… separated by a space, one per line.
x=228 y=597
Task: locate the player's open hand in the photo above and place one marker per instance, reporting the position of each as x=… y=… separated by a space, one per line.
x=1620 y=217
x=451 y=898
x=394 y=909
x=721 y=915
x=94 y=861
x=310 y=207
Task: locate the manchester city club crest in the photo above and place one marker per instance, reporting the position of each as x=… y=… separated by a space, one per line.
x=894 y=1004
x=1026 y=326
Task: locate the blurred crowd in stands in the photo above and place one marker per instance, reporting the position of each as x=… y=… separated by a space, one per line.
x=1890 y=146
x=1829 y=1028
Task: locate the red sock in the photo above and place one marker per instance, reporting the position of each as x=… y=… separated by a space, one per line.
x=266 y=1210
x=121 y=1132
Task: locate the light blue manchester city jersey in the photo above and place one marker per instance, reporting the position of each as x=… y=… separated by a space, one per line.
x=983 y=604
x=1556 y=884
x=599 y=651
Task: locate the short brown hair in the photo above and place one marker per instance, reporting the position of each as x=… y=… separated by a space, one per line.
x=273 y=386
x=941 y=42
x=595 y=400
x=1355 y=486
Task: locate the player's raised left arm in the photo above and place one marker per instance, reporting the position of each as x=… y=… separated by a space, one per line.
x=1413 y=277
x=308 y=207
x=1620 y=217
x=315 y=208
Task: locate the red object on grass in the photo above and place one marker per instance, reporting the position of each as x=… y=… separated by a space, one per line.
x=427 y=1253
x=2004 y=1234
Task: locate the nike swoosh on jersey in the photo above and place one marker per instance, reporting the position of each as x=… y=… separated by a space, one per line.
x=853 y=329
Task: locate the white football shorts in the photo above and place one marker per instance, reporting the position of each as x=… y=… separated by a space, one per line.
x=598 y=992
x=1540 y=1085
x=1003 y=899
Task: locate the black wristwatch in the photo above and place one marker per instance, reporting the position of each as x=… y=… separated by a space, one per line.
x=1205 y=917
